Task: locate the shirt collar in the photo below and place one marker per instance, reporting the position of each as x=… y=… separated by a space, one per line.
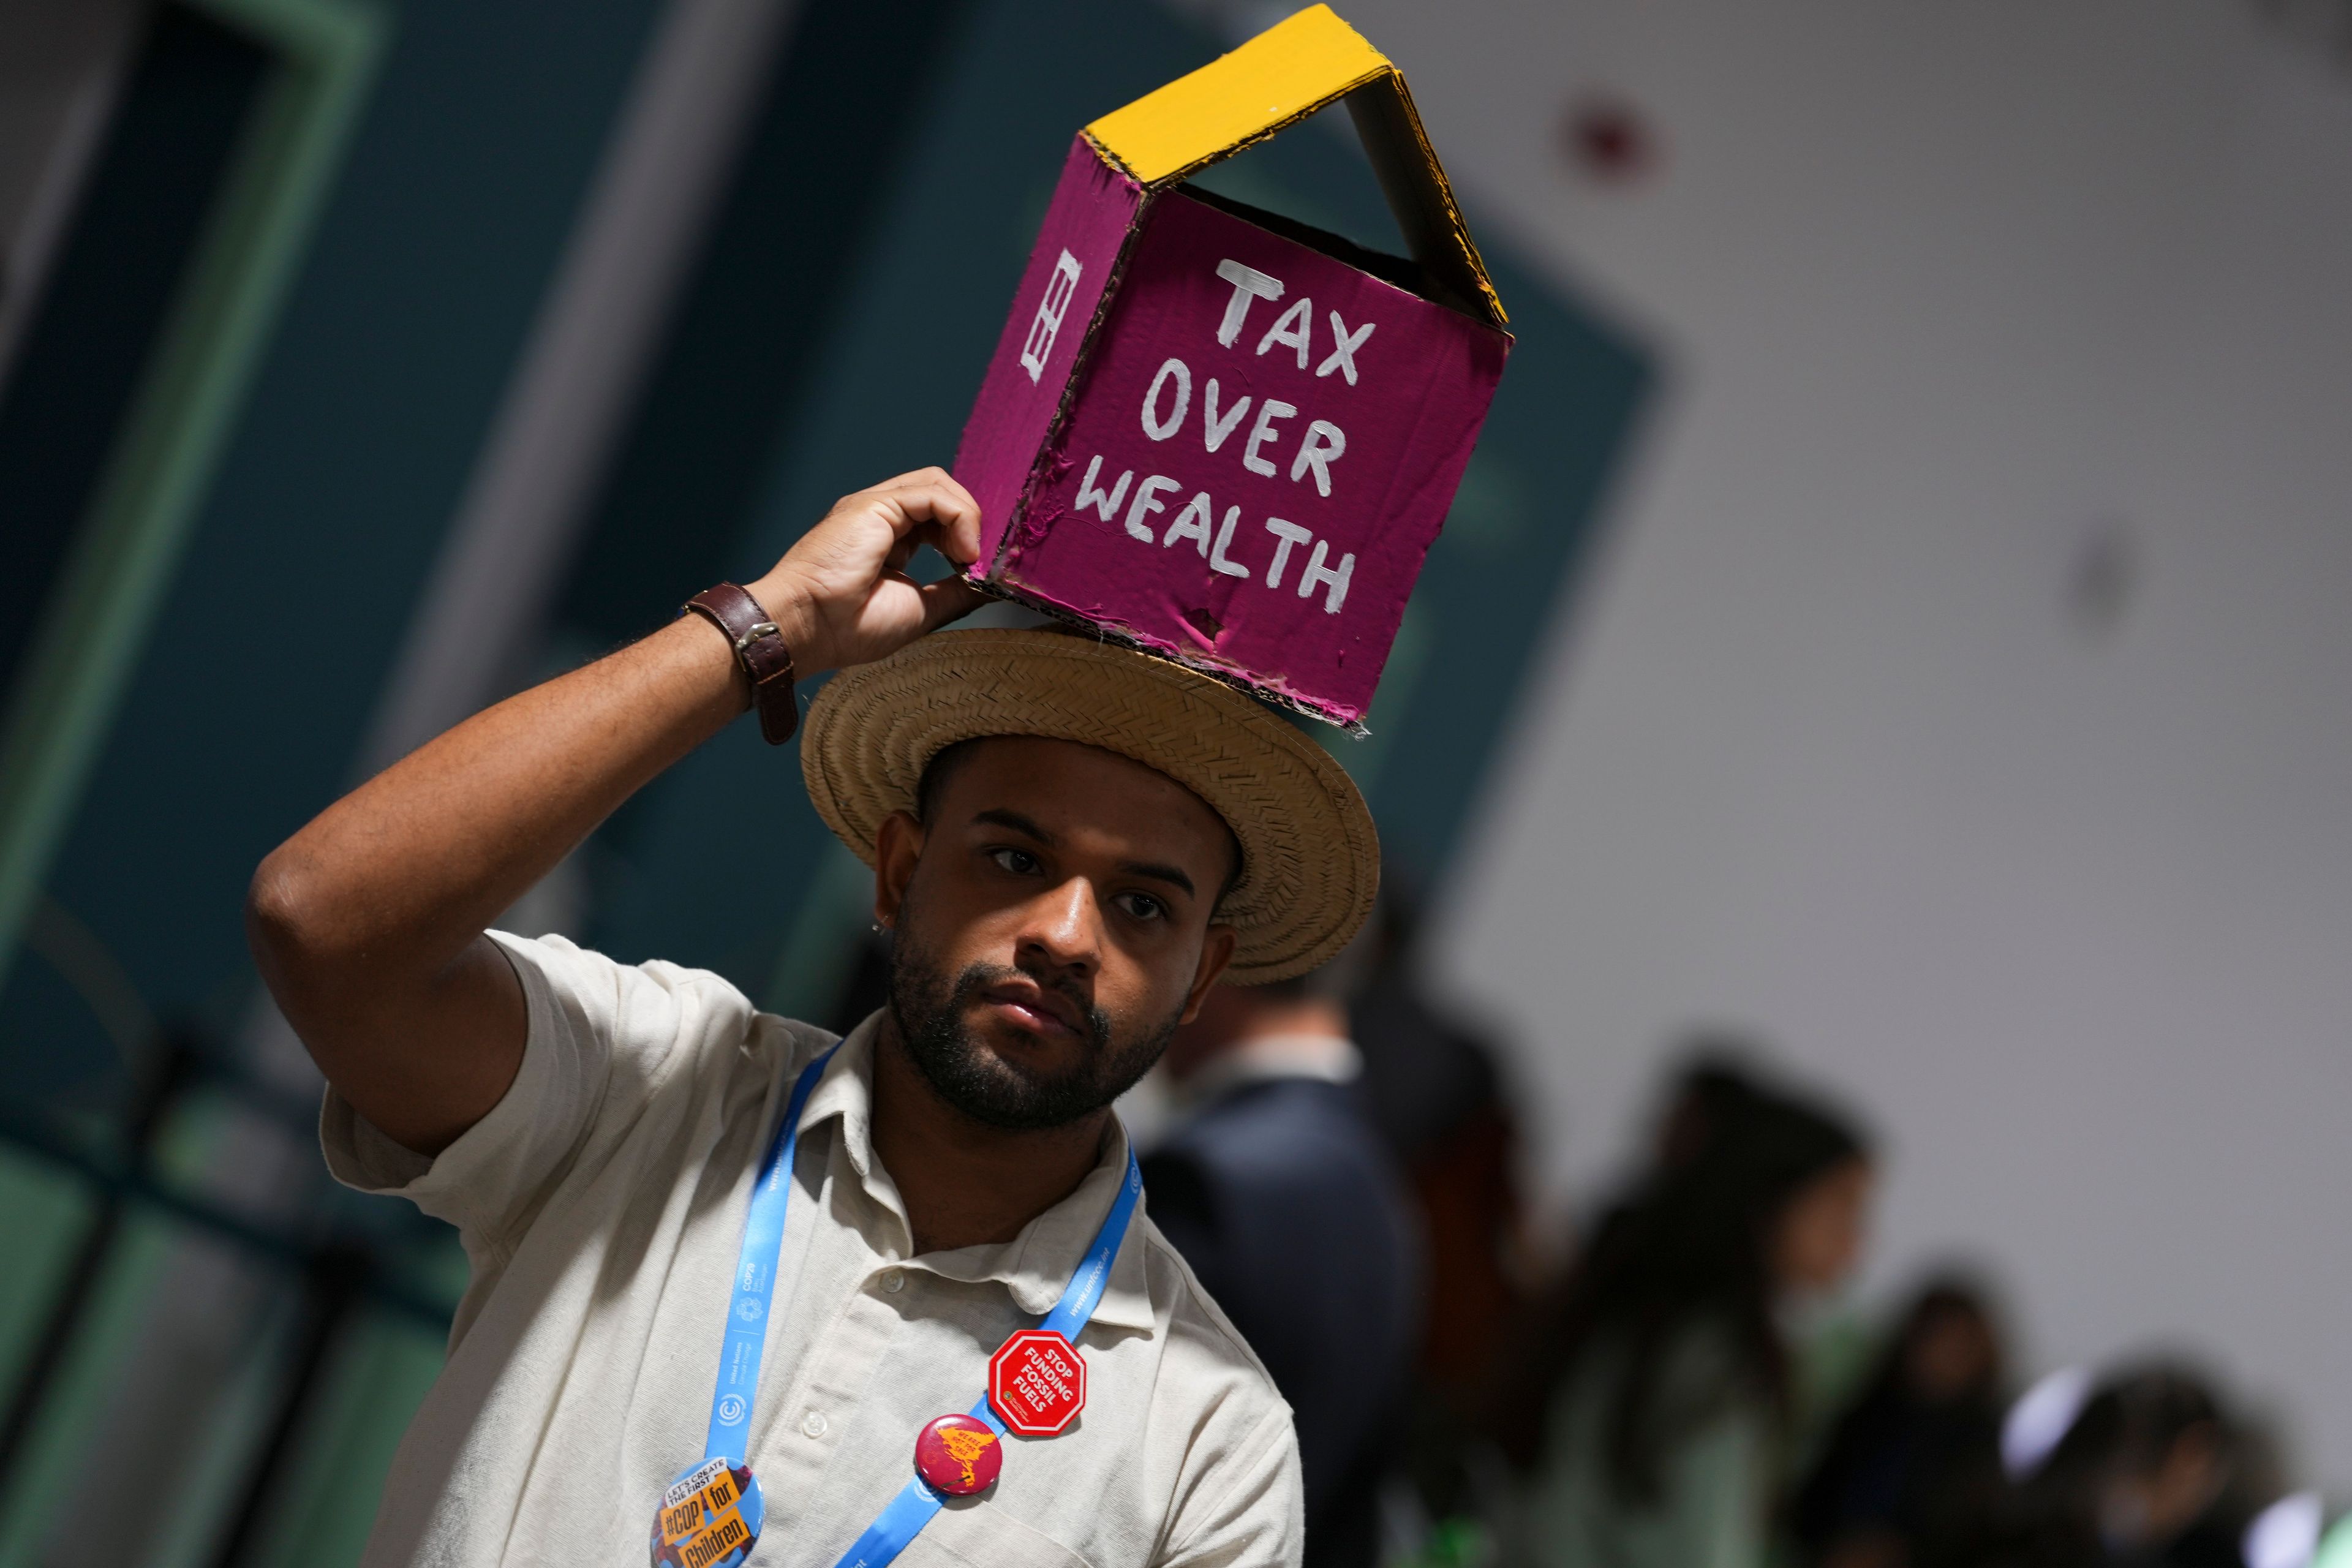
x=1034 y=1266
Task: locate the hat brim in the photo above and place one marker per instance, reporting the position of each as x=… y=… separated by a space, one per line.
x=1310 y=856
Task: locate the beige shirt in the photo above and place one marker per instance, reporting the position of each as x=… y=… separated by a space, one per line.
x=602 y=1206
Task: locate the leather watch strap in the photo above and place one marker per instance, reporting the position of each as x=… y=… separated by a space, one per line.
x=759 y=649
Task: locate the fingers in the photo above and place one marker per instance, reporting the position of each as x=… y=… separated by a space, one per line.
x=930 y=504
x=948 y=599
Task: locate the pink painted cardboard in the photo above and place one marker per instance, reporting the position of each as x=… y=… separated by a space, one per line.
x=1076 y=253
x=1274 y=546
x=1277 y=544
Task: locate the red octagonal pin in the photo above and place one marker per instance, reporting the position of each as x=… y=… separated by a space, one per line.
x=1038 y=1382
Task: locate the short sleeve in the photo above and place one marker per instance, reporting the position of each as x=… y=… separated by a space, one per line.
x=601 y=1036
x=1253 y=1515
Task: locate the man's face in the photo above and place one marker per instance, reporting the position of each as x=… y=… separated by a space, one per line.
x=1053 y=926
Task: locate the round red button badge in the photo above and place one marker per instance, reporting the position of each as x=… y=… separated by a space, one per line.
x=1037 y=1382
x=959 y=1454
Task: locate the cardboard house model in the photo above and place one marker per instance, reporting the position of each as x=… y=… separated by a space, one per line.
x=1219 y=435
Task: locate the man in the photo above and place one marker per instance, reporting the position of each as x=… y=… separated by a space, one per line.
x=1071 y=843
x=1290 y=1210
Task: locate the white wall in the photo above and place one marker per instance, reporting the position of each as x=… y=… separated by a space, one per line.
x=1944 y=290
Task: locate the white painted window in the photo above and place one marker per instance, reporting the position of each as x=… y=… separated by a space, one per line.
x=1059 y=288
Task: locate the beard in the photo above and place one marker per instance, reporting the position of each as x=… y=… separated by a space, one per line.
x=930 y=1008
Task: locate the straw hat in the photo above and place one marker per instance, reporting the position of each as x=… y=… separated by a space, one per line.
x=1310 y=859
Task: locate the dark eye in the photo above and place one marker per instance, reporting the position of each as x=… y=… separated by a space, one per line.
x=1020 y=862
x=1141 y=906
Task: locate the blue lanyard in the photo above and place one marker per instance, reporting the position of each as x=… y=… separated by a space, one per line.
x=755 y=1283
x=917 y=1500
x=755 y=1288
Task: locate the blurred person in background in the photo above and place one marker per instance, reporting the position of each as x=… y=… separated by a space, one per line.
x=1277 y=1189
x=2145 y=1477
x=1708 y=1094
x=1705 y=1095
x=1672 y=1392
x=1434 y=1086
x=1911 y=1476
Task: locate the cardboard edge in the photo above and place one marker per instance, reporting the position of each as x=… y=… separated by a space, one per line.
x=1414 y=182
x=1102 y=632
x=1410 y=174
x=1317 y=52
x=1081 y=365
x=1265 y=132
x=1311 y=58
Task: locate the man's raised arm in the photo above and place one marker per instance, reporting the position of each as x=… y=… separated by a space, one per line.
x=367 y=924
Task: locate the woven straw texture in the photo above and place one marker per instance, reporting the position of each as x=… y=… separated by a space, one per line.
x=1311 y=858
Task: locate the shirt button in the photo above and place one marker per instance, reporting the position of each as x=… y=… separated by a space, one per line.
x=894 y=1281
x=812 y=1424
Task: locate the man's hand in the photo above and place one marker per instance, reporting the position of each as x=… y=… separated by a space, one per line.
x=842 y=596
x=368 y=924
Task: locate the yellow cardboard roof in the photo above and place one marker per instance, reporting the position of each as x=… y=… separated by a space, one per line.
x=1284 y=74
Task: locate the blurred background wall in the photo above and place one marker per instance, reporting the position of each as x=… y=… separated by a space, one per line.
x=1895 y=606
x=1967 y=700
